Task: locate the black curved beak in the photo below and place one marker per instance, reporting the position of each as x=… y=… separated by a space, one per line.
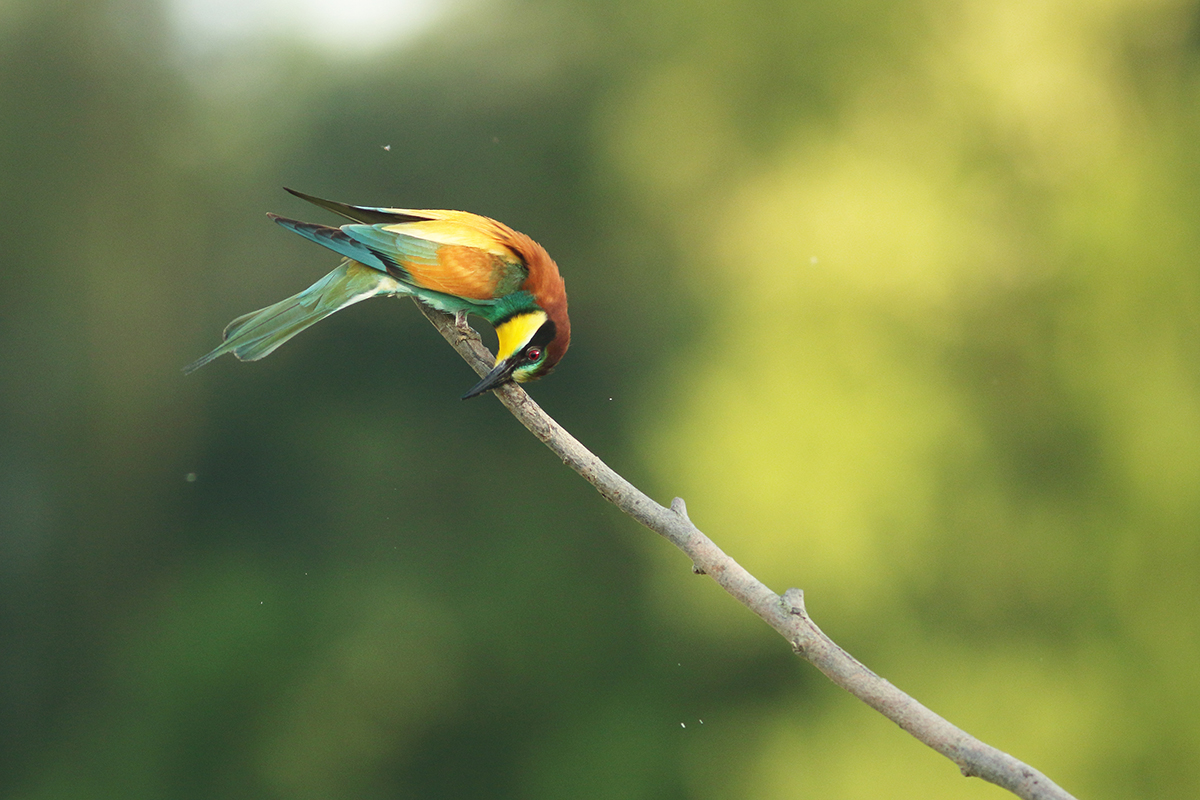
x=501 y=373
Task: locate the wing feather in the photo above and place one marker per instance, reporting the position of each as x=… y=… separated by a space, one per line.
x=462 y=270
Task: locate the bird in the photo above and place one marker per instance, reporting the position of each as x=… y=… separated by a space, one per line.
x=454 y=261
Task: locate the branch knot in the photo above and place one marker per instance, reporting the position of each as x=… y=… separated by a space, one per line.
x=793 y=602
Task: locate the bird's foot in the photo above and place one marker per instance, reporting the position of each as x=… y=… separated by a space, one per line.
x=465 y=331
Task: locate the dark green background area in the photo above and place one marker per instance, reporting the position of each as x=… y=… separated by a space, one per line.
x=904 y=299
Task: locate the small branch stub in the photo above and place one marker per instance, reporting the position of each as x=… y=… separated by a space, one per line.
x=680 y=508
x=793 y=601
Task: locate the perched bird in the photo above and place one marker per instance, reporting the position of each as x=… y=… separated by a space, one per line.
x=456 y=262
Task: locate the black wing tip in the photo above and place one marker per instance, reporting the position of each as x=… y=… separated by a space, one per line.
x=288 y=222
x=328 y=205
x=367 y=215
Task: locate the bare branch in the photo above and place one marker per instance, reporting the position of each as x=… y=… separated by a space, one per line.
x=785 y=614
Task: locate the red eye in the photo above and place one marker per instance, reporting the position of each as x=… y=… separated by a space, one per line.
x=533 y=354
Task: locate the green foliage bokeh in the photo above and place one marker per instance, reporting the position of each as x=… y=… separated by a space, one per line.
x=903 y=299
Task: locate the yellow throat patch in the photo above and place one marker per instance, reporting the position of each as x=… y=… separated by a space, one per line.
x=515 y=332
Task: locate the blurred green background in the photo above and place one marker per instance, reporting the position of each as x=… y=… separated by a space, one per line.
x=903 y=298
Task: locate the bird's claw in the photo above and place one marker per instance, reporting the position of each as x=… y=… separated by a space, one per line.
x=465 y=331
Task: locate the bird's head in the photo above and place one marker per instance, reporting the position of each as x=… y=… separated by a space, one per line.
x=530 y=344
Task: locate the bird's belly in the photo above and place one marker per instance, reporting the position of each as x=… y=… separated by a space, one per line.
x=446 y=303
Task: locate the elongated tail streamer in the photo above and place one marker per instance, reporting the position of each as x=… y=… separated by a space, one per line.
x=257 y=334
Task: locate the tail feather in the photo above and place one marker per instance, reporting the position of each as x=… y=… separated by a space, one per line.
x=257 y=334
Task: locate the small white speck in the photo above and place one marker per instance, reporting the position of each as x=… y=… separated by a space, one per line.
x=682 y=725
x=701 y=722
x=387 y=147
x=190 y=477
x=813 y=261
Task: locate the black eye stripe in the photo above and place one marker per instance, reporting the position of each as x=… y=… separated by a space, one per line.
x=543 y=336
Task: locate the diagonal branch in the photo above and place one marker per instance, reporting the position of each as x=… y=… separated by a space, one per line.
x=785 y=614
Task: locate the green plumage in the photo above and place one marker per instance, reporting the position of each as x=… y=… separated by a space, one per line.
x=453 y=261
x=257 y=334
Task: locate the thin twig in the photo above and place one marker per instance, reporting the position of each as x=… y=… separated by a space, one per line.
x=785 y=614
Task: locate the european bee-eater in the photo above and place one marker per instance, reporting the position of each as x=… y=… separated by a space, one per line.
x=454 y=261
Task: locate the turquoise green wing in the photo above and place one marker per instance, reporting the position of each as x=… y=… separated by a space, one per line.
x=387 y=251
